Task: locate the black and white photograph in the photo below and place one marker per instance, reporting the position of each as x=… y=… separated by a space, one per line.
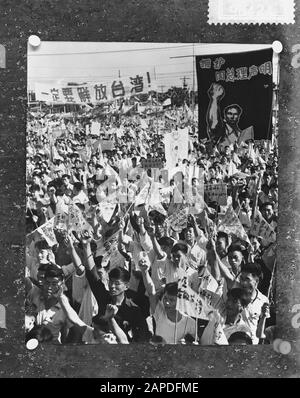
x=151 y=193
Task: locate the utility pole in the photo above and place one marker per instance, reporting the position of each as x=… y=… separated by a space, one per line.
x=184 y=78
x=162 y=90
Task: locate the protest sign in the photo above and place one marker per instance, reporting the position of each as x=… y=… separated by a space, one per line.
x=216 y=193
x=152 y=163
x=61 y=220
x=85 y=154
x=105 y=248
x=191 y=303
x=178 y=220
x=107 y=145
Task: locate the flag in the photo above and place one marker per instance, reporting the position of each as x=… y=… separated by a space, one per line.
x=188 y=113
x=260 y=227
x=269 y=256
x=107 y=210
x=154 y=199
x=46 y=231
x=105 y=248
x=76 y=221
x=232 y=225
x=61 y=220
x=191 y=303
x=85 y=154
x=178 y=220
x=242 y=81
x=246 y=134
x=142 y=196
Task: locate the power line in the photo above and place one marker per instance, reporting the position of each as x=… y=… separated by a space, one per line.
x=113 y=51
x=108 y=67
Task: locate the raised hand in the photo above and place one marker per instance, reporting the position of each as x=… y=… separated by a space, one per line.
x=265 y=310
x=144 y=265
x=151 y=230
x=110 y=311
x=122 y=224
x=86 y=238
x=191 y=219
x=140 y=221
x=216 y=91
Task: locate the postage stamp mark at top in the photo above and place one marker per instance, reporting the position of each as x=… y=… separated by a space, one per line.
x=249 y=11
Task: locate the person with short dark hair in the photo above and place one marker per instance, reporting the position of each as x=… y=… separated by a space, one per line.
x=53 y=309
x=68 y=187
x=128 y=315
x=170 y=324
x=258 y=307
x=267 y=211
x=79 y=196
x=240 y=338
x=227 y=320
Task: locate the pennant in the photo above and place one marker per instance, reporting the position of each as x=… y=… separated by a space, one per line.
x=141 y=198
x=76 y=221
x=246 y=134
x=178 y=220
x=61 y=220
x=232 y=225
x=260 y=227
x=46 y=231
x=107 y=210
x=269 y=256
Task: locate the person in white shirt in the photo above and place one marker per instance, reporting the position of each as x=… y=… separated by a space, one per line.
x=196 y=255
x=53 y=309
x=258 y=308
x=227 y=320
x=79 y=195
x=170 y=324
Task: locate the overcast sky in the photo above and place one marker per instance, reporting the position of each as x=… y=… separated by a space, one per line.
x=102 y=62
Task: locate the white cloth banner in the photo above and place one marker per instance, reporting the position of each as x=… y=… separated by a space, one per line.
x=94 y=92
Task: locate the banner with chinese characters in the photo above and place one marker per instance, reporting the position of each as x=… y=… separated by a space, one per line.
x=191 y=303
x=260 y=227
x=231 y=224
x=152 y=163
x=46 y=232
x=94 y=92
x=216 y=193
x=235 y=93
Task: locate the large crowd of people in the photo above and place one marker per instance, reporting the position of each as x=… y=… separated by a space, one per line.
x=121 y=248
